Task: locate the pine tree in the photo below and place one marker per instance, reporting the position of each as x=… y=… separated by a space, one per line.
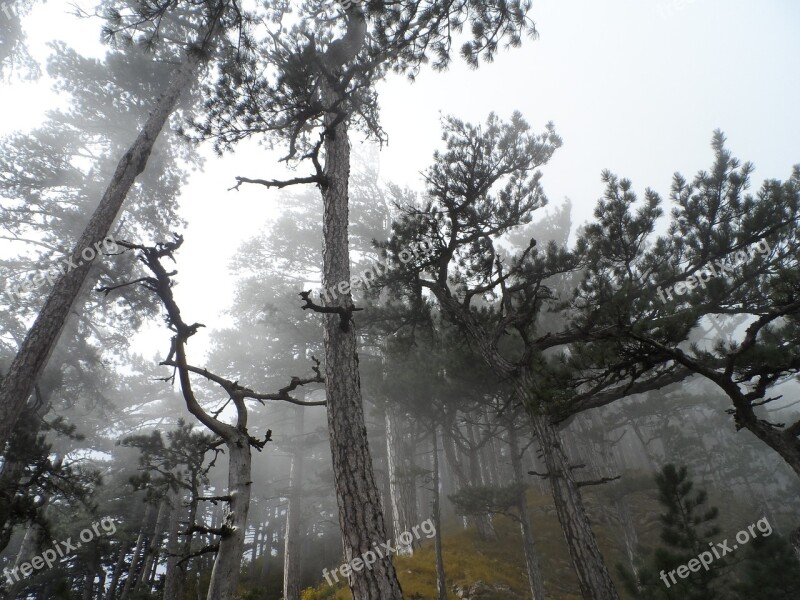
x=687 y=529
x=771 y=570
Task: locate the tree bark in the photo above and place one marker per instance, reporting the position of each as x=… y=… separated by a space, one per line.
x=360 y=512
x=593 y=577
x=291 y=554
x=225 y=574
x=535 y=578
x=43 y=335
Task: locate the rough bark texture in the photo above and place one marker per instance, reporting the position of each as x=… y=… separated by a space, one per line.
x=593 y=576
x=531 y=556
x=360 y=511
x=291 y=554
x=42 y=337
x=225 y=574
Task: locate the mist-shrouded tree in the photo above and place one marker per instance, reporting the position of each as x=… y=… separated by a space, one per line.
x=687 y=529
x=483 y=185
x=198 y=26
x=728 y=256
x=770 y=570
x=238 y=441
x=307 y=87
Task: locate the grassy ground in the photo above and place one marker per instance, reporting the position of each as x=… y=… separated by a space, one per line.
x=467 y=559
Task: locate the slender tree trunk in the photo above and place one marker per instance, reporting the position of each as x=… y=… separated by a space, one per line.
x=441 y=583
x=251 y=573
x=593 y=577
x=137 y=553
x=291 y=553
x=225 y=574
x=402 y=490
x=151 y=553
x=266 y=554
x=175 y=576
x=482 y=523
x=43 y=335
x=112 y=586
x=535 y=578
x=360 y=512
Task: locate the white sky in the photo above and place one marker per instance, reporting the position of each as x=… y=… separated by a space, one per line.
x=635 y=86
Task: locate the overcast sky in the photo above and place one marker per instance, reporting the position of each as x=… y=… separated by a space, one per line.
x=634 y=86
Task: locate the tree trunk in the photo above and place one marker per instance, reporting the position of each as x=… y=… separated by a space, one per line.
x=266 y=553
x=482 y=523
x=225 y=574
x=402 y=491
x=137 y=554
x=360 y=512
x=535 y=578
x=176 y=574
x=441 y=583
x=43 y=335
x=151 y=553
x=291 y=553
x=112 y=587
x=593 y=577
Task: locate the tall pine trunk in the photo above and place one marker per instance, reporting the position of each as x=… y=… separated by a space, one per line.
x=360 y=511
x=593 y=577
x=43 y=335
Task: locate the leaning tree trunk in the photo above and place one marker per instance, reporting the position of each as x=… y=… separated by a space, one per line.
x=535 y=578
x=291 y=554
x=225 y=574
x=43 y=335
x=593 y=577
x=150 y=559
x=360 y=511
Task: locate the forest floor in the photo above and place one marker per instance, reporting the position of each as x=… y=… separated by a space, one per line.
x=468 y=559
